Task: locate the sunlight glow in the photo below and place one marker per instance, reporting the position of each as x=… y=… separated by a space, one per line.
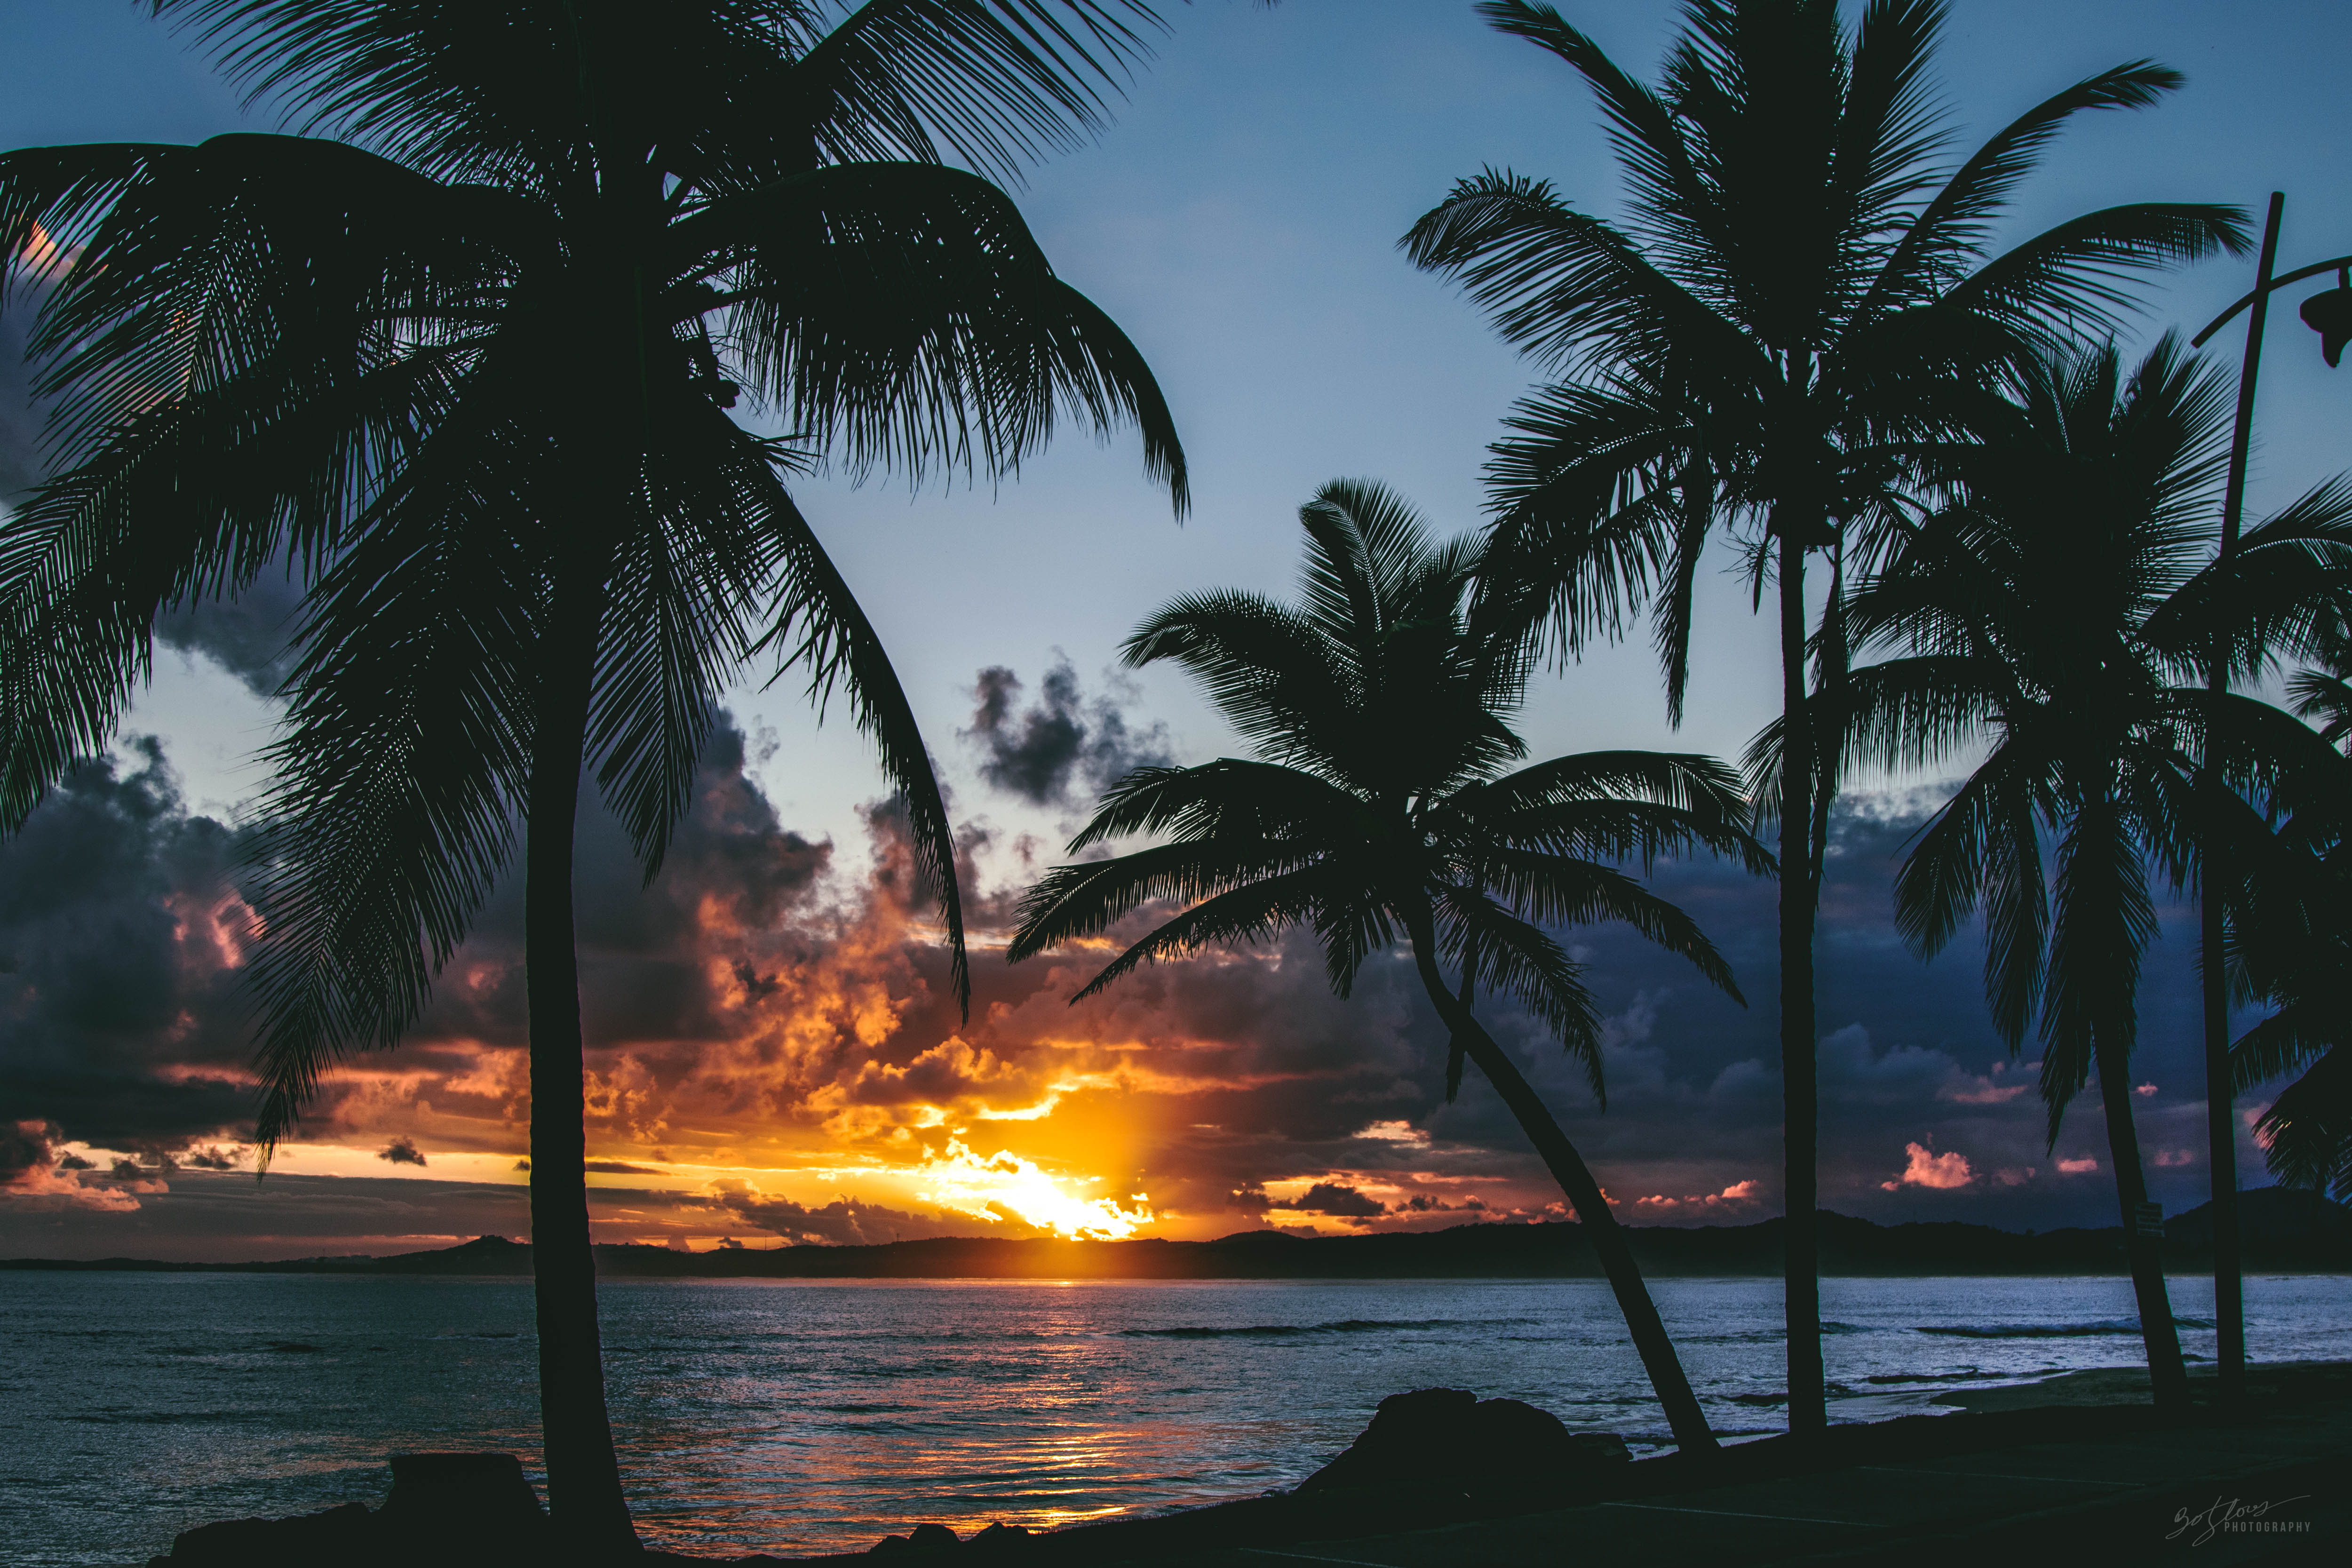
x=1006 y=1185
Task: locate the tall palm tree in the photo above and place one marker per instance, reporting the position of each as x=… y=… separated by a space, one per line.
x=469 y=371
x=1377 y=809
x=2060 y=613
x=1802 y=286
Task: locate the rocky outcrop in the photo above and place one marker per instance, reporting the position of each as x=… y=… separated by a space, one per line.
x=343 y=1534
x=931 y=1540
x=453 y=1510
x=1451 y=1435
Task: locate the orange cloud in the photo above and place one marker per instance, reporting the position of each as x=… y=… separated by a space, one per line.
x=1928 y=1168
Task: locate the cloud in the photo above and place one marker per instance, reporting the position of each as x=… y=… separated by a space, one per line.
x=2077 y=1167
x=847 y=1222
x=613 y=1168
x=121 y=946
x=249 y=636
x=1062 y=738
x=1329 y=1198
x=24 y=1148
x=1942 y=1171
x=401 y=1152
x=37 y=1175
x=775 y=1010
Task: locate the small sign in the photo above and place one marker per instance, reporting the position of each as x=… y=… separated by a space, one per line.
x=2148 y=1220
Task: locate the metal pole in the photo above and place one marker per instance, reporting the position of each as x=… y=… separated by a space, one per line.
x=2221 y=1133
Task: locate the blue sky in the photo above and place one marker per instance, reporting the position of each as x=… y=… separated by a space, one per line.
x=1240 y=222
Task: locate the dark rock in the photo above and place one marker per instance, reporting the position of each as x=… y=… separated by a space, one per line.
x=464 y=1507
x=338 y=1534
x=448 y=1510
x=1449 y=1434
x=927 y=1540
x=1602 y=1447
x=999 y=1537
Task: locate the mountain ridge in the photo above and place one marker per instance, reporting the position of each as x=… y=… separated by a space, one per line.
x=2286 y=1232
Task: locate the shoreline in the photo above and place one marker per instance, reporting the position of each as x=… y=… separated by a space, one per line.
x=2069 y=1457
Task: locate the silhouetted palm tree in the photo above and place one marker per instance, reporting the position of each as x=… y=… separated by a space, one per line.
x=2296 y=953
x=1799 y=288
x=469 y=373
x=1377 y=810
x=2061 y=613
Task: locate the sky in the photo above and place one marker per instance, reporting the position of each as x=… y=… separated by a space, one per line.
x=772 y=1058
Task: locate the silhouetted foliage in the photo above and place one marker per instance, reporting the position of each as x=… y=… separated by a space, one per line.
x=1378 y=811
x=1801 y=292
x=468 y=368
x=2061 y=613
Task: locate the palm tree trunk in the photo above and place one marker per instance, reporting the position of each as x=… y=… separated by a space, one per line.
x=2220 y=1133
x=2168 y=1377
x=1684 y=1417
x=1801 y=1136
x=584 y=1474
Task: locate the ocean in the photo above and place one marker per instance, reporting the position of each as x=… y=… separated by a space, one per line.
x=806 y=1416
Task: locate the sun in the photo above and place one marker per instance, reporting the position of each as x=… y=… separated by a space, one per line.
x=1006 y=1185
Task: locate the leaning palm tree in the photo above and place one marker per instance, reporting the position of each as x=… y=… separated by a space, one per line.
x=2060 y=613
x=1378 y=809
x=1802 y=287
x=466 y=373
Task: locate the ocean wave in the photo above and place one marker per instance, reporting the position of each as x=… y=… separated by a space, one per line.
x=165 y=1418
x=1344 y=1326
x=2049 y=1331
x=1770 y=1336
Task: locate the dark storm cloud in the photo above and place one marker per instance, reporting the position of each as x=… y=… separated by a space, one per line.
x=249 y=636
x=401 y=1152
x=25 y=1147
x=643 y=970
x=1907 y=1054
x=846 y=1221
x=119 y=941
x=748 y=1001
x=1060 y=740
x=1339 y=1201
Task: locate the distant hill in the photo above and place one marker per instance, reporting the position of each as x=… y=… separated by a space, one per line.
x=2286 y=1232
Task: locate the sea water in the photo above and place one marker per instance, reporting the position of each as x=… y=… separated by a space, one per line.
x=804 y=1416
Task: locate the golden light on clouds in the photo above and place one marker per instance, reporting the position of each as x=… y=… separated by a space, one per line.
x=968 y=1183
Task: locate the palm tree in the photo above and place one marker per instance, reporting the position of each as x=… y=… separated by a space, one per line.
x=2296 y=953
x=469 y=372
x=1377 y=808
x=1802 y=287
x=2061 y=614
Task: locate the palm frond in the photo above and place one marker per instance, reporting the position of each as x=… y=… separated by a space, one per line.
x=1496 y=949
x=819 y=625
